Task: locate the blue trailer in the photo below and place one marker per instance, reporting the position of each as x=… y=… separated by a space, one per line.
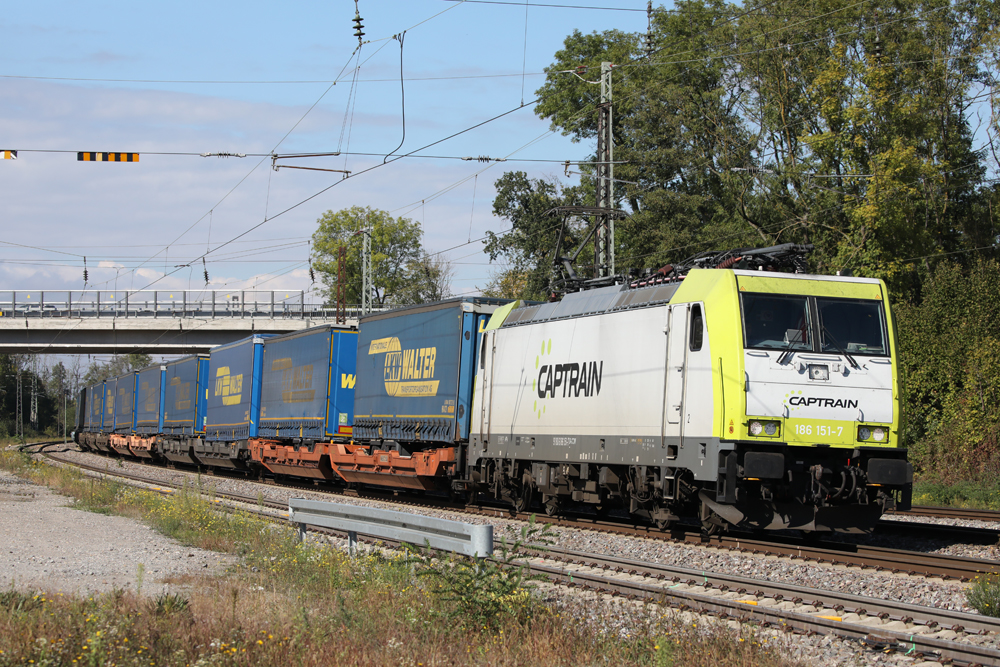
x=92 y=408
x=185 y=399
x=307 y=400
x=307 y=385
x=149 y=399
x=148 y=411
x=234 y=377
x=413 y=396
x=125 y=403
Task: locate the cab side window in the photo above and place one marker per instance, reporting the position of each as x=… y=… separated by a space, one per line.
x=697 y=333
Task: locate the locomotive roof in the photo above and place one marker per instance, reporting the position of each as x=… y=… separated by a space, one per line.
x=625 y=297
x=591 y=302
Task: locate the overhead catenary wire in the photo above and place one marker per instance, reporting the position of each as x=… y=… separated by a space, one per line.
x=265 y=216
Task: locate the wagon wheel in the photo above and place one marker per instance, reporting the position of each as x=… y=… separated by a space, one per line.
x=552 y=505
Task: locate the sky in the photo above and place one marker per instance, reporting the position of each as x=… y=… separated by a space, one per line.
x=172 y=81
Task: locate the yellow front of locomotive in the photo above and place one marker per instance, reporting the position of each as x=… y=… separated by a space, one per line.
x=817 y=446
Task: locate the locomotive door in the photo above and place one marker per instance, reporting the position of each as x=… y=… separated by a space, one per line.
x=674 y=380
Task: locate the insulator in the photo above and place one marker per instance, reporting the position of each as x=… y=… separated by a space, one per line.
x=85 y=276
x=877 y=51
x=312 y=275
x=358 y=26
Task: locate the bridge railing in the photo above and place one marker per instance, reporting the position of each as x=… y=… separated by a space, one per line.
x=209 y=304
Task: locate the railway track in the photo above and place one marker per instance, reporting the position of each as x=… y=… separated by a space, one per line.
x=883 y=625
x=824 y=552
x=953 y=513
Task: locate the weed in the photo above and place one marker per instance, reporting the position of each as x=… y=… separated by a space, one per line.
x=15 y=601
x=983 y=594
x=170 y=603
x=483 y=592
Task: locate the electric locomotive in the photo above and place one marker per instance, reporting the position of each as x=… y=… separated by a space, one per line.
x=744 y=396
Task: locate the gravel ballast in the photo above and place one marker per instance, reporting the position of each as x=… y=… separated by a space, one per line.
x=608 y=614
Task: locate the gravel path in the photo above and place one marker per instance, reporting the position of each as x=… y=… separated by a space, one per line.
x=49 y=546
x=618 y=616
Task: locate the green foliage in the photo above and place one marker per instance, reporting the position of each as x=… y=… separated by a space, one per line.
x=983 y=594
x=745 y=128
x=429 y=280
x=484 y=592
x=401 y=271
x=11 y=366
x=958 y=493
x=529 y=247
x=167 y=604
x=950 y=367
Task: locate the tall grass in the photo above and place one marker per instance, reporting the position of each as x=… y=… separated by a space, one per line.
x=287 y=602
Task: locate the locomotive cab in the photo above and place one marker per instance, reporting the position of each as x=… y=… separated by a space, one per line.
x=817 y=447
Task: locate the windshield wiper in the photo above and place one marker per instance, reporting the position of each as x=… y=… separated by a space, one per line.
x=786 y=353
x=844 y=352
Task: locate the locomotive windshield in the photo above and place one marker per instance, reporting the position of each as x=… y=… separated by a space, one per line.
x=815 y=324
x=854 y=326
x=773 y=321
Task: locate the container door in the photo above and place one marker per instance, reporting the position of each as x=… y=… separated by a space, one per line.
x=486 y=359
x=676 y=361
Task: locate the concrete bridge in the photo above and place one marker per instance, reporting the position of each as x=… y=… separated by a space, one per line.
x=150 y=322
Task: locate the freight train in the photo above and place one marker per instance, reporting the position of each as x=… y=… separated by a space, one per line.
x=737 y=395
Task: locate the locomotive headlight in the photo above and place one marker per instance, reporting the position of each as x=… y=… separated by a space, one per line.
x=878 y=434
x=819 y=372
x=864 y=433
x=756 y=428
x=770 y=428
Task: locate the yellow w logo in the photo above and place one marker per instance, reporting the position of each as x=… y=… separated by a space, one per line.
x=347 y=381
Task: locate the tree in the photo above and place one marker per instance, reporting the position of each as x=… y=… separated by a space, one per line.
x=529 y=247
x=395 y=252
x=118 y=366
x=844 y=125
x=13 y=366
x=428 y=279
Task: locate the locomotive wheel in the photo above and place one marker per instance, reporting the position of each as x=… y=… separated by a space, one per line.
x=663 y=524
x=552 y=505
x=520 y=493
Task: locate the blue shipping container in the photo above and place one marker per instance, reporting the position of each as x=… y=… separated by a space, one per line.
x=185 y=393
x=149 y=400
x=110 y=390
x=307 y=384
x=234 y=374
x=416 y=368
x=125 y=403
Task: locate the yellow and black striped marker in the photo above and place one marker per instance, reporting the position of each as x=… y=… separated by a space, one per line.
x=107 y=157
x=8 y=155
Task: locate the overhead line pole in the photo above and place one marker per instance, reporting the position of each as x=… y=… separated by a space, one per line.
x=605 y=239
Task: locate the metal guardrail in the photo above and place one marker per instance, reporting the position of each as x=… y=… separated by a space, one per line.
x=443 y=534
x=207 y=304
